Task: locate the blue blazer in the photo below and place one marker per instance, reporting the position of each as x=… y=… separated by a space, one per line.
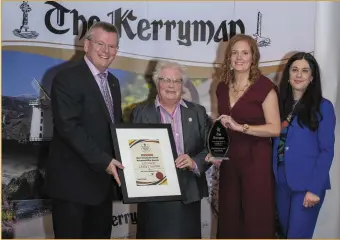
x=308 y=155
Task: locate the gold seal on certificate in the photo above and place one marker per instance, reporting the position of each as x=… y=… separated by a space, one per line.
x=148 y=162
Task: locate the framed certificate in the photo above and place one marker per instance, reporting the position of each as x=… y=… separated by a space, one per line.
x=148 y=153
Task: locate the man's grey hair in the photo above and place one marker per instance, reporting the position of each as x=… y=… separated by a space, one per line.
x=107 y=27
x=166 y=65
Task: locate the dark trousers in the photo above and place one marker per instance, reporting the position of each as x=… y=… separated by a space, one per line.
x=79 y=221
x=157 y=220
x=296 y=220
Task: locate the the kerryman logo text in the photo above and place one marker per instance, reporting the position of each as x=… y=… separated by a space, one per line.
x=185 y=32
x=125 y=218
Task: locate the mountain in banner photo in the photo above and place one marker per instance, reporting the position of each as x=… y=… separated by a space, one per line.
x=21 y=68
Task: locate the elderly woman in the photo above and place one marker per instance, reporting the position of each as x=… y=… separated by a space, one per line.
x=304 y=151
x=190 y=124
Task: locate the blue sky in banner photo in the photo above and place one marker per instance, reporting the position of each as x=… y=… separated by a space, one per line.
x=19 y=69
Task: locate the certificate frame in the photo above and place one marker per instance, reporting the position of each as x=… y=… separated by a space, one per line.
x=130 y=141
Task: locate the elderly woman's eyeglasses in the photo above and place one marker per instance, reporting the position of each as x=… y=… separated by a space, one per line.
x=169 y=80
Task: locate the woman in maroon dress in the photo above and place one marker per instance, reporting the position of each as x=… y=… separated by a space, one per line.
x=248 y=108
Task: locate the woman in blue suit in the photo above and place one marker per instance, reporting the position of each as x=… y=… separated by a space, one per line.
x=303 y=154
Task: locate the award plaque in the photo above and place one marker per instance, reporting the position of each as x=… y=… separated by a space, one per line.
x=218 y=141
x=148 y=153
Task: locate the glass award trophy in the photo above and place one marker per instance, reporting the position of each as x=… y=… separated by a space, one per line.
x=218 y=141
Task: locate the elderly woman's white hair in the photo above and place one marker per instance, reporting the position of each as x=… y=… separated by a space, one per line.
x=166 y=65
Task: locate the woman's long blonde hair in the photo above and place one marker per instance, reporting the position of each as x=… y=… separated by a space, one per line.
x=227 y=75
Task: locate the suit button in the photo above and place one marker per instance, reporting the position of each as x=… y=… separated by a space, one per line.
x=287 y=148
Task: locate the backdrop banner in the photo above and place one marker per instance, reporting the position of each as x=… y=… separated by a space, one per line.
x=39 y=37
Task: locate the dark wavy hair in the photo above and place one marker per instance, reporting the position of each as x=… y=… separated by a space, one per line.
x=227 y=73
x=308 y=109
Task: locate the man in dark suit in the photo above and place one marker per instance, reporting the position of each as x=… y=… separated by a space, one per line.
x=85 y=100
x=190 y=124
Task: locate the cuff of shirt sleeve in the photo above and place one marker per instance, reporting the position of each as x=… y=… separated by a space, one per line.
x=196 y=170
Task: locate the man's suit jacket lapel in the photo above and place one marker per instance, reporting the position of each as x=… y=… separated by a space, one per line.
x=188 y=117
x=114 y=89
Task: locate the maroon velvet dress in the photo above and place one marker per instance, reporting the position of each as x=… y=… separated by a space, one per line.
x=246 y=184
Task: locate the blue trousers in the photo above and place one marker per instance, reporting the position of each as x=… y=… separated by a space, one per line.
x=296 y=220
